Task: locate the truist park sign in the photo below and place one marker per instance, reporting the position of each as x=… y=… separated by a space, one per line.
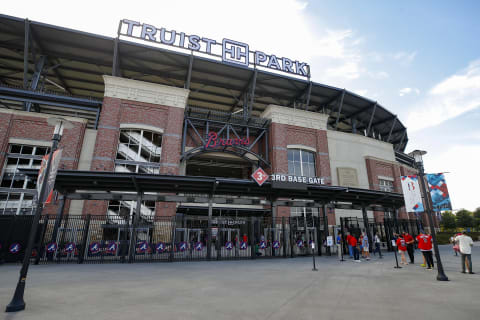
x=233 y=52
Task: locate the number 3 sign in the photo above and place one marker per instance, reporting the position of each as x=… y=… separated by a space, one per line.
x=260 y=176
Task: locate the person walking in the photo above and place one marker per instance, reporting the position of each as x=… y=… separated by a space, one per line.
x=465 y=244
x=410 y=246
x=339 y=246
x=454 y=244
x=354 y=244
x=366 y=247
x=377 y=246
x=425 y=246
x=350 y=248
x=402 y=249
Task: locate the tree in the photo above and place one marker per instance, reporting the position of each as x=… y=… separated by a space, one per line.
x=464 y=219
x=476 y=218
x=448 y=221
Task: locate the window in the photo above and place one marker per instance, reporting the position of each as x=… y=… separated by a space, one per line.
x=299 y=215
x=121 y=211
x=19 y=200
x=301 y=163
x=386 y=185
x=139 y=151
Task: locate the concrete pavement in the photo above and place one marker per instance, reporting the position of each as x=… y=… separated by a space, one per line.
x=260 y=289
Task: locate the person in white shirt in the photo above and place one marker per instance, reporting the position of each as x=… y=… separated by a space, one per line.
x=465 y=244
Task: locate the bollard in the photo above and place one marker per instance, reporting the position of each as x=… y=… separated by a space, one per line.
x=313 y=257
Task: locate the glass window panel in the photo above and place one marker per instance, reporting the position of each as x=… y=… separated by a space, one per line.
x=290 y=154
x=297 y=169
x=15 y=148
x=27 y=150
x=296 y=155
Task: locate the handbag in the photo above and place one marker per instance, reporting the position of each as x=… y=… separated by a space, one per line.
x=456 y=247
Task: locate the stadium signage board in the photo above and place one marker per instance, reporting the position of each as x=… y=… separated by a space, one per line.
x=231 y=51
x=214 y=141
x=296 y=179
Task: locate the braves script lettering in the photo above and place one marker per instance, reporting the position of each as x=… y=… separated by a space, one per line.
x=214 y=141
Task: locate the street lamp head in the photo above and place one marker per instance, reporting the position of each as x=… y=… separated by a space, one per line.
x=60 y=124
x=417 y=155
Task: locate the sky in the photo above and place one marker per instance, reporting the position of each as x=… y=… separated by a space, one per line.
x=418 y=59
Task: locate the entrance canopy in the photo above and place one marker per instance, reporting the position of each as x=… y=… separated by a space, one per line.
x=95 y=185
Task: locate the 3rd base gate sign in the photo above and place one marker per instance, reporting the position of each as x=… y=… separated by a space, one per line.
x=260 y=176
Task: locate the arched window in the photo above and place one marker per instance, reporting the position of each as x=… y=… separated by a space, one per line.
x=138 y=151
x=301 y=163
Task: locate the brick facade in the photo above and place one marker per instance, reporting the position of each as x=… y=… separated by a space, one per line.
x=32 y=127
x=117 y=112
x=128 y=110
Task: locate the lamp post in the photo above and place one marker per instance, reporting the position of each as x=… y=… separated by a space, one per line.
x=417 y=154
x=17 y=303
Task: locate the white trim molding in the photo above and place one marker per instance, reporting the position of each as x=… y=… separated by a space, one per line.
x=296 y=117
x=134 y=90
x=41 y=115
x=30 y=142
x=141 y=126
x=302 y=147
x=385 y=178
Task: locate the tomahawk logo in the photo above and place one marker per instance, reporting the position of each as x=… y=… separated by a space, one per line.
x=14 y=248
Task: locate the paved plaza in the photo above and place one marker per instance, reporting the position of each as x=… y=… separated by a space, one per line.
x=260 y=289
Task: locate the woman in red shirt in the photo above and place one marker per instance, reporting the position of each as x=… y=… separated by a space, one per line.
x=402 y=248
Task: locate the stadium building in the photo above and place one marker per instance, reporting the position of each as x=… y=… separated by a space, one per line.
x=168 y=132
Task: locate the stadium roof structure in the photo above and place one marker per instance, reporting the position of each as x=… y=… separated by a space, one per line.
x=56 y=70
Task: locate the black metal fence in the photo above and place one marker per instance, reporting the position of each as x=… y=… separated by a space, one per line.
x=101 y=239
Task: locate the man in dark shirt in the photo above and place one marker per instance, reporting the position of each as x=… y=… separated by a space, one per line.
x=410 y=246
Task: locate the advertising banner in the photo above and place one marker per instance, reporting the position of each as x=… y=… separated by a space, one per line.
x=411 y=194
x=50 y=181
x=439 y=192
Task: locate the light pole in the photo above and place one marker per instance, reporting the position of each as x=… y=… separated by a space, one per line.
x=417 y=154
x=17 y=303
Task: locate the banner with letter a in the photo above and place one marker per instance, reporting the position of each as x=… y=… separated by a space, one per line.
x=411 y=194
x=439 y=192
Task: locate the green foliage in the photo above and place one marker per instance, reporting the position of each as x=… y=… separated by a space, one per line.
x=444 y=237
x=448 y=221
x=476 y=218
x=464 y=219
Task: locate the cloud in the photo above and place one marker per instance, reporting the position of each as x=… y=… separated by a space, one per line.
x=404 y=58
x=450 y=98
x=379 y=75
x=455 y=161
x=405 y=91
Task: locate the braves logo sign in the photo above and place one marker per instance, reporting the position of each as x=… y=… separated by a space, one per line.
x=14 y=248
x=51 y=247
x=213 y=141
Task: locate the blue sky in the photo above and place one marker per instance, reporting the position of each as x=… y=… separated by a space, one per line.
x=419 y=59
